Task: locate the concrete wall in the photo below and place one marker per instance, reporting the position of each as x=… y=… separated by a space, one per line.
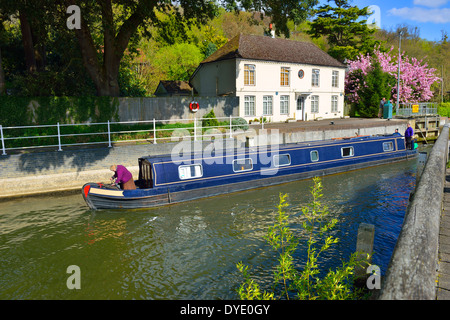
x=412 y=271
x=166 y=108
x=301 y=136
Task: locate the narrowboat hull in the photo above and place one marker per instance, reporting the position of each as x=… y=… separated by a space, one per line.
x=166 y=192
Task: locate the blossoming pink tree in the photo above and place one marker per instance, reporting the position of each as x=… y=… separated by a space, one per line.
x=416 y=78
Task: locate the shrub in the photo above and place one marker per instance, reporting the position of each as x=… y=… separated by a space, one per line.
x=305 y=284
x=444 y=109
x=210 y=120
x=377 y=85
x=239 y=124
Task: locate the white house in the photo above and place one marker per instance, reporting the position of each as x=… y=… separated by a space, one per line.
x=276 y=78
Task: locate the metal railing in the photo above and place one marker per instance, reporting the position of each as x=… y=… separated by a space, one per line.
x=157 y=131
x=417 y=109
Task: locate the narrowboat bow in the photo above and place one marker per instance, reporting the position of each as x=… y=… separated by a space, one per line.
x=163 y=180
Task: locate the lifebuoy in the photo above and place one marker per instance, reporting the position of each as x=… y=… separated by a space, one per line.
x=194 y=106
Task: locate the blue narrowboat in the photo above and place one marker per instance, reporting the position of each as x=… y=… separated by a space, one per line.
x=164 y=180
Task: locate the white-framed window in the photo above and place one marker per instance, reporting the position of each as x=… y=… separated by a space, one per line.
x=240 y=165
x=335 y=79
x=284 y=76
x=249 y=105
x=347 y=152
x=314 y=155
x=280 y=160
x=267 y=105
x=249 y=74
x=314 y=104
x=315 y=80
x=284 y=104
x=334 y=104
x=388 y=146
x=190 y=171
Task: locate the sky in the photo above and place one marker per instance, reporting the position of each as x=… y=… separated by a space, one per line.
x=431 y=16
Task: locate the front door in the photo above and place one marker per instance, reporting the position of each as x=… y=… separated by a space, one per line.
x=300 y=108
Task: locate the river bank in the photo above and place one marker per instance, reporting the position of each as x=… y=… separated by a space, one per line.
x=41 y=172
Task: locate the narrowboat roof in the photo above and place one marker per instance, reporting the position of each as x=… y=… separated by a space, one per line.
x=318 y=143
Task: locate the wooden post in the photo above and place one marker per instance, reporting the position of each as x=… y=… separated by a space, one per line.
x=364 y=246
x=422 y=160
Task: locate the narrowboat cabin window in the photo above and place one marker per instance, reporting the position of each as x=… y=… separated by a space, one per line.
x=240 y=165
x=347 y=152
x=388 y=146
x=281 y=160
x=190 y=171
x=314 y=155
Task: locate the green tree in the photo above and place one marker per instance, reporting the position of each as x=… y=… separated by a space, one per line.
x=177 y=62
x=109 y=30
x=210 y=120
x=305 y=284
x=346 y=33
x=373 y=86
x=213 y=39
x=40 y=55
x=280 y=12
x=119 y=23
x=2 y=72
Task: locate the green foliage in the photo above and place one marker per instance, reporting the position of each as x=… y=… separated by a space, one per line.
x=306 y=284
x=250 y=290
x=13 y=110
x=178 y=61
x=281 y=238
x=444 y=109
x=239 y=124
x=23 y=111
x=348 y=35
x=280 y=12
x=213 y=39
x=210 y=120
x=376 y=84
x=51 y=83
x=130 y=84
x=59 y=59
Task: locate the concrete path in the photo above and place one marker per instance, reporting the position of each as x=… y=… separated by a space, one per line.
x=443 y=279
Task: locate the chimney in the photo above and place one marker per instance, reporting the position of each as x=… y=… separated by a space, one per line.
x=271 y=31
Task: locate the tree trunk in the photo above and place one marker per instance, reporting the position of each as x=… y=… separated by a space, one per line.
x=105 y=76
x=27 y=40
x=108 y=85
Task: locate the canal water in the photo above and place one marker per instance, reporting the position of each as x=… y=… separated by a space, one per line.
x=190 y=250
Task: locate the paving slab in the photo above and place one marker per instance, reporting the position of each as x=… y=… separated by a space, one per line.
x=443 y=272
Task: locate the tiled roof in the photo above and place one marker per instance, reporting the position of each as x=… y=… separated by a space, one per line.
x=175 y=87
x=273 y=49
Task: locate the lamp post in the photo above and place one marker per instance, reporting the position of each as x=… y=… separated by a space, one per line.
x=398 y=77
